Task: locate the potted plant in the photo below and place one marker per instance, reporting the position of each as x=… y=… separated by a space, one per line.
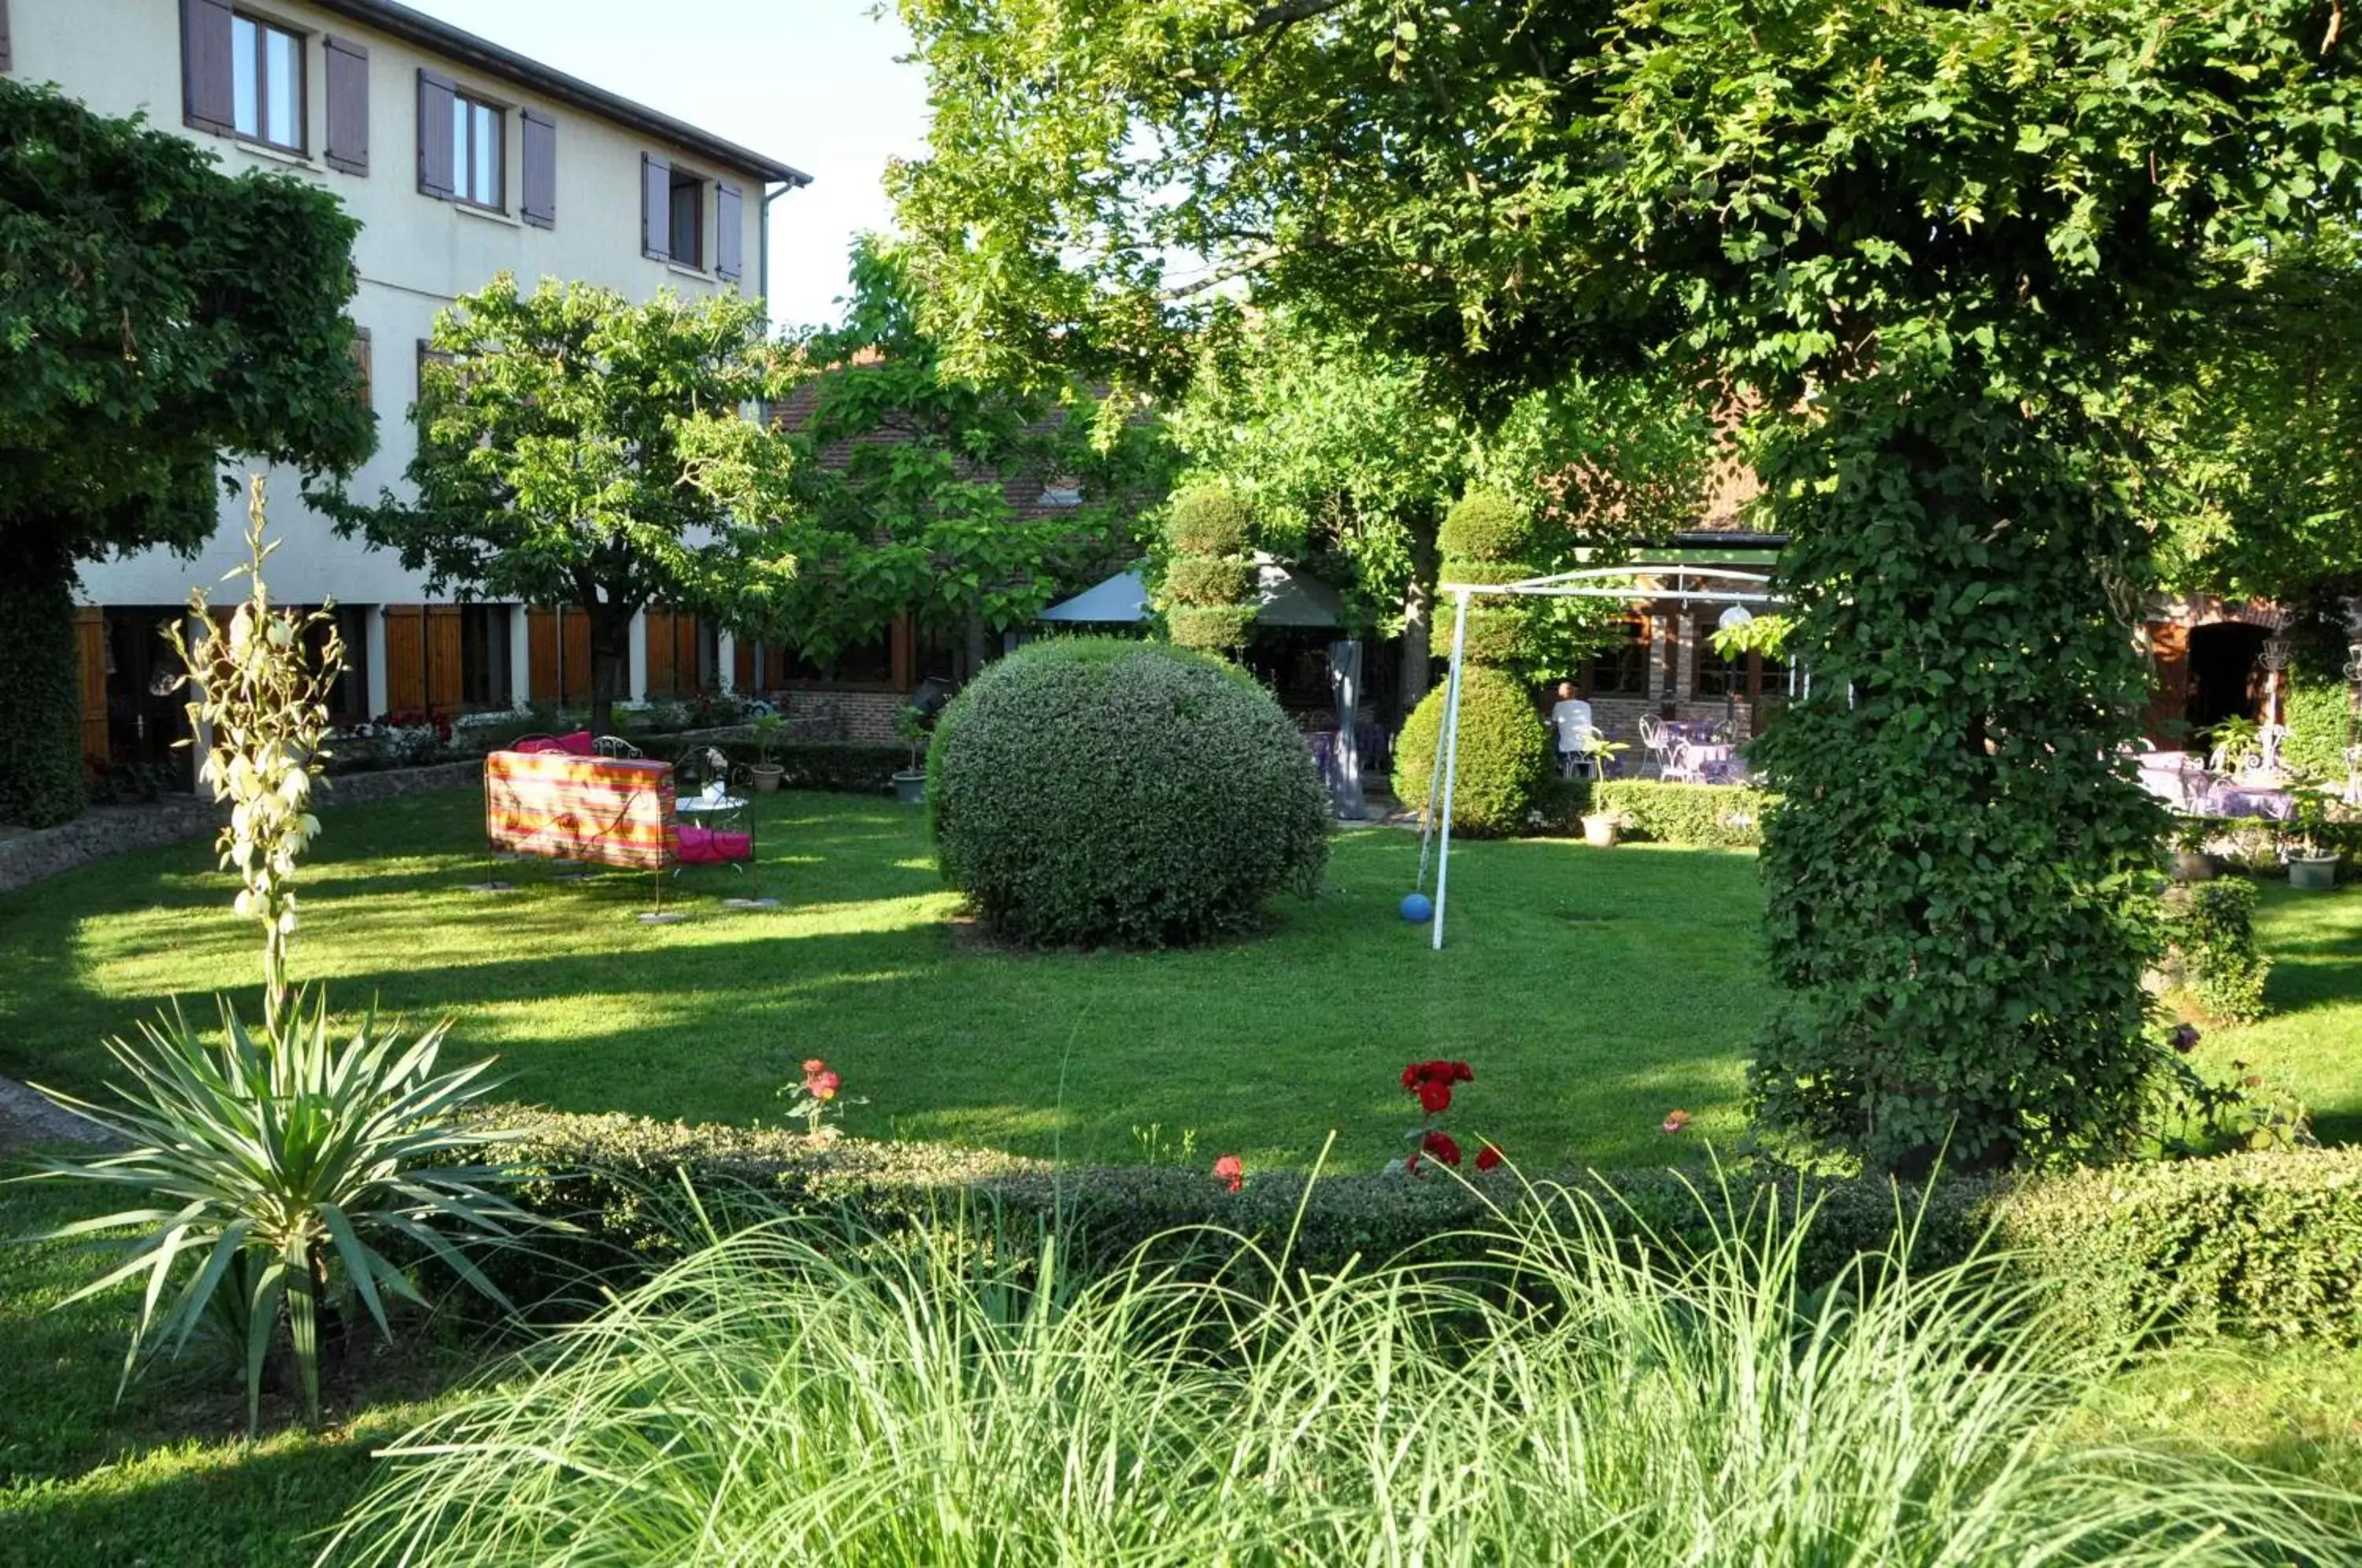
x=911 y=783
x=767 y=772
x=1601 y=829
x=2311 y=863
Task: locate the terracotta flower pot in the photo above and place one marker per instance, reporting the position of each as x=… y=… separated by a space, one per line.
x=1602 y=831
x=767 y=777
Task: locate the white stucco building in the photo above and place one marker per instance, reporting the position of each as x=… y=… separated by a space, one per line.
x=460 y=159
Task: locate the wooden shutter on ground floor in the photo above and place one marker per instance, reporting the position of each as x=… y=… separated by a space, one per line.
x=902 y=651
x=207 y=89
x=90 y=659
x=405 y=659
x=539 y=207
x=658 y=642
x=347 y=146
x=2168 y=714
x=445 y=691
x=742 y=665
x=540 y=654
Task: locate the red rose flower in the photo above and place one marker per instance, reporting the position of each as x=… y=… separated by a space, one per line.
x=1434 y=1096
x=1488 y=1158
x=814 y=1067
x=1410 y=1165
x=1231 y=1171
x=1440 y=1145
x=1462 y=1073
x=822 y=1085
x=1676 y=1121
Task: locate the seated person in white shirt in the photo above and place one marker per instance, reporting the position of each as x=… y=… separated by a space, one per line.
x=1570 y=721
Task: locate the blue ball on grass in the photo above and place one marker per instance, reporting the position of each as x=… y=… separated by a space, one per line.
x=1417 y=908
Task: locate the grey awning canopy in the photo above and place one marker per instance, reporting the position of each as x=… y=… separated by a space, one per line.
x=1283 y=598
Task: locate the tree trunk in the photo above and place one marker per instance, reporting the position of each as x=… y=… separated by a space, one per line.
x=977 y=652
x=1418 y=625
x=611 y=661
x=40 y=694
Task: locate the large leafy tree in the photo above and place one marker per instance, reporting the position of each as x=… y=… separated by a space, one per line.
x=155 y=315
x=577 y=448
x=902 y=502
x=1949 y=254
x=1349 y=453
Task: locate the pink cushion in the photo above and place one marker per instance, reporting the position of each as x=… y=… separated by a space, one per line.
x=577 y=744
x=704 y=846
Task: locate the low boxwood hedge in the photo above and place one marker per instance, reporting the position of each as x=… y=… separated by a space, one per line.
x=2264 y=1242
x=850 y=767
x=1719 y=816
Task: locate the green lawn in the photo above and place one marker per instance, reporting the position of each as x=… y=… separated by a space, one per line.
x=1592 y=990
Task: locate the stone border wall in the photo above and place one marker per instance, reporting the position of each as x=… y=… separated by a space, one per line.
x=30 y=857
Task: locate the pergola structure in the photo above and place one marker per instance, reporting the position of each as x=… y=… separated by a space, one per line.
x=1675 y=581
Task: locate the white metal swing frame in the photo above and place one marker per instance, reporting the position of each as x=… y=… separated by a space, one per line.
x=1640 y=582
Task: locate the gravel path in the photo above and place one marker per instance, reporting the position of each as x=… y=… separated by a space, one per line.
x=26 y=1118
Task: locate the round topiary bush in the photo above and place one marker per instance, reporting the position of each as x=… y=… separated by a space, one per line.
x=1207 y=581
x=1091 y=790
x=1482 y=526
x=1206 y=520
x=1502 y=752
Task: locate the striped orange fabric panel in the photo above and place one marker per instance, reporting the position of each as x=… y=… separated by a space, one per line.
x=613 y=811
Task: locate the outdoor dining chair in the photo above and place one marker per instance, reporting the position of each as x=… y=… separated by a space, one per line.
x=1653 y=739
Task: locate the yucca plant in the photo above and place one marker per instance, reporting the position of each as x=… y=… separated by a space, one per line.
x=272 y=1167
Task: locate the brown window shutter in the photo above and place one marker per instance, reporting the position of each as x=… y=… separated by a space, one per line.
x=655 y=207
x=90 y=657
x=435 y=94
x=445 y=660
x=540 y=654
x=347 y=147
x=658 y=644
x=540 y=205
x=731 y=208
x=4 y=35
x=405 y=659
x=205 y=101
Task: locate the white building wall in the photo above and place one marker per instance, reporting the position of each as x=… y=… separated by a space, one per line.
x=415 y=254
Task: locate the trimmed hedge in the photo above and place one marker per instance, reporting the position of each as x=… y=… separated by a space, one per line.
x=849 y=767
x=1207 y=581
x=1208 y=521
x=1213 y=629
x=2211 y=928
x=1090 y=789
x=40 y=699
x=1709 y=816
x=1503 y=750
x=1482 y=526
x=2262 y=1242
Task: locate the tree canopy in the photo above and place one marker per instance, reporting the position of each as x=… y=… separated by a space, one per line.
x=158 y=316
x=901 y=504
x=1953 y=259
x=575 y=447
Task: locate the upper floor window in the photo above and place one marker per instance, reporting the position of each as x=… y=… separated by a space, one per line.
x=477 y=151
x=266 y=66
x=686 y=213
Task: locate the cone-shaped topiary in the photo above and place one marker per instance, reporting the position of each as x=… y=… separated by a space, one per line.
x=1208 y=572
x=1207 y=520
x=1092 y=790
x=1484 y=527
x=1502 y=752
x=1489 y=539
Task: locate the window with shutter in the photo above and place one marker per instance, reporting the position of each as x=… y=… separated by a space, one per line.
x=655 y=207
x=347 y=147
x=436 y=94
x=540 y=207
x=729 y=232
x=4 y=35
x=207 y=95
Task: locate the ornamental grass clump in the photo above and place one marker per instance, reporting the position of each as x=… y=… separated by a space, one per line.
x=784 y=1398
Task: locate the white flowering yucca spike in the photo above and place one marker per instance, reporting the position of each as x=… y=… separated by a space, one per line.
x=263 y=694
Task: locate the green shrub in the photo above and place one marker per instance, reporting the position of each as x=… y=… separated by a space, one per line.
x=1209 y=628
x=848 y=767
x=1482 y=526
x=1094 y=790
x=1208 y=521
x=1503 y=749
x=1720 y=816
x=2317 y=718
x=41 y=702
x=2212 y=929
x=2251 y=1241
x=1207 y=581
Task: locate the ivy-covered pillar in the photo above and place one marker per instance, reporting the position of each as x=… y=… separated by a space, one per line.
x=41 y=694
x=1959 y=880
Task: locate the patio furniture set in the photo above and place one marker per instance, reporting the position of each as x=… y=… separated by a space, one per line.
x=2215 y=787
